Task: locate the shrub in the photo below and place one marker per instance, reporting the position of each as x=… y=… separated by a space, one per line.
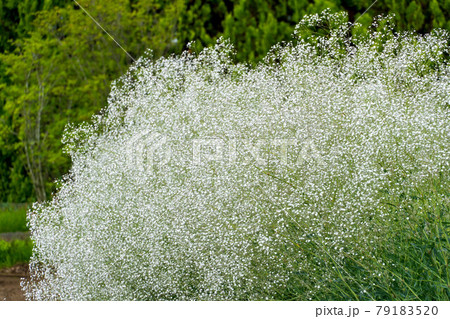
x=205 y=179
x=14 y=252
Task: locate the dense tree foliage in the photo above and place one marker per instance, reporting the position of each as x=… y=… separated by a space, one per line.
x=56 y=65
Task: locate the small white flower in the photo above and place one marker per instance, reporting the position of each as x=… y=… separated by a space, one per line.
x=131 y=222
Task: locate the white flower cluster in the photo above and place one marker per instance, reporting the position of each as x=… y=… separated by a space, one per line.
x=320 y=133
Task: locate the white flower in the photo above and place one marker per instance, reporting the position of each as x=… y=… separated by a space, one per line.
x=159 y=225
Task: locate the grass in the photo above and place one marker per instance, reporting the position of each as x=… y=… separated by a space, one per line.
x=13 y=218
x=15 y=252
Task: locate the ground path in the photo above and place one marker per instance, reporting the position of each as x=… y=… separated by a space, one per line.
x=10 y=277
x=10 y=289
x=14 y=236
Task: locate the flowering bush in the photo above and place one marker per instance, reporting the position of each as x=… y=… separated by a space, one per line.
x=205 y=179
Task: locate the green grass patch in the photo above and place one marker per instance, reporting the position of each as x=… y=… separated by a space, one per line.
x=15 y=252
x=13 y=218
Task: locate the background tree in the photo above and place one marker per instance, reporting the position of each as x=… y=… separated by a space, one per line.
x=61 y=73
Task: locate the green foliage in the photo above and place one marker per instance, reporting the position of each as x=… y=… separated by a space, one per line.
x=201 y=21
x=15 y=252
x=414 y=15
x=61 y=73
x=16 y=18
x=419 y=15
x=439 y=20
x=13 y=219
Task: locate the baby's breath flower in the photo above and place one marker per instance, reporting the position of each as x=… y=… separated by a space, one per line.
x=204 y=179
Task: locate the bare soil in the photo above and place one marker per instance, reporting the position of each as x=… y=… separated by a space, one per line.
x=15 y=235
x=10 y=289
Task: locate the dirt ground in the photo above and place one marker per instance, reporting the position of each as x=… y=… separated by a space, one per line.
x=10 y=289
